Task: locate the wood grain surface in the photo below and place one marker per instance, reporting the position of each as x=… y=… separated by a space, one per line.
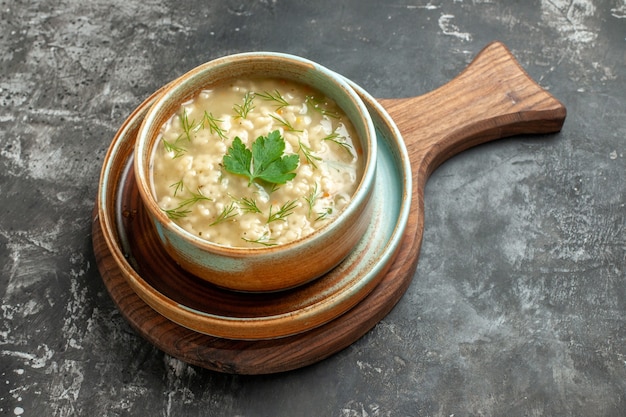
x=491 y=99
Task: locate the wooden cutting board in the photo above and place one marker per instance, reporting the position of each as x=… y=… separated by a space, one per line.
x=492 y=98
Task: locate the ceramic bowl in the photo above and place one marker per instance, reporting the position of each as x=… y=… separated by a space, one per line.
x=268 y=268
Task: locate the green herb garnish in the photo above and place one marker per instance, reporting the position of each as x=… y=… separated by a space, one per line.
x=339 y=140
x=284 y=211
x=308 y=154
x=318 y=106
x=188 y=127
x=323 y=214
x=213 y=125
x=276 y=98
x=265 y=162
x=284 y=123
x=182 y=210
x=174 y=147
x=263 y=240
x=228 y=212
x=312 y=198
x=247 y=205
x=242 y=110
x=178 y=186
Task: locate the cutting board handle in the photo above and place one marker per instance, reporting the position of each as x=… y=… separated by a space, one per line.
x=492 y=98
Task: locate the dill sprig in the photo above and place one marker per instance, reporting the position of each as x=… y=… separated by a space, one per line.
x=242 y=110
x=213 y=125
x=284 y=123
x=178 y=186
x=174 y=147
x=324 y=214
x=228 y=213
x=276 y=98
x=263 y=240
x=339 y=140
x=182 y=210
x=177 y=213
x=317 y=105
x=312 y=198
x=247 y=205
x=188 y=127
x=308 y=154
x=284 y=211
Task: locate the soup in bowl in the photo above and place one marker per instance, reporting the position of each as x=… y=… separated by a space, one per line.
x=257 y=169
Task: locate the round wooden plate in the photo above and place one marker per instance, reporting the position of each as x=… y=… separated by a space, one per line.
x=492 y=98
x=241 y=315
x=205 y=308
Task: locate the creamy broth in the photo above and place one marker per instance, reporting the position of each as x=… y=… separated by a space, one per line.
x=195 y=190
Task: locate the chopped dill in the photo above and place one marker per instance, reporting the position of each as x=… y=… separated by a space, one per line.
x=317 y=105
x=263 y=240
x=213 y=125
x=284 y=211
x=276 y=97
x=324 y=214
x=308 y=154
x=339 y=140
x=178 y=186
x=229 y=212
x=188 y=127
x=312 y=198
x=182 y=210
x=242 y=110
x=284 y=123
x=173 y=147
x=247 y=205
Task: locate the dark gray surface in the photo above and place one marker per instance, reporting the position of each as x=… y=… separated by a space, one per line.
x=518 y=306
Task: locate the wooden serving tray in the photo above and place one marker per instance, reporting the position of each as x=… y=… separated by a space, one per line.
x=492 y=98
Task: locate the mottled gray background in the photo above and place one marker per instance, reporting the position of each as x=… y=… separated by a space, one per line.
x=518 y=305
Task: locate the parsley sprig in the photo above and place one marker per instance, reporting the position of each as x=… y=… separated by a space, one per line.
x=264 y=162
